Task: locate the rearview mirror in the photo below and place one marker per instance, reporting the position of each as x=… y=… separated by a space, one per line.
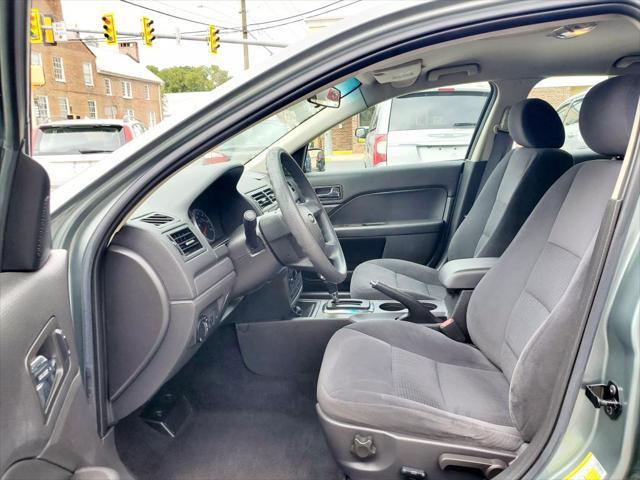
x=361 y=132
x=327 y=98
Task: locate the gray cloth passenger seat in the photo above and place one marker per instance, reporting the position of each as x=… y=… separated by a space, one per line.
x=419 y=394
x=511 y=192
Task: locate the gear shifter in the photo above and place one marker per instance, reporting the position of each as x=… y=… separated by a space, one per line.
x=345 y=305
x=332 y=288
x=417 y=311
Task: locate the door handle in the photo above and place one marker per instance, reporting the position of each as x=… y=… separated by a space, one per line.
x=48 y=361
x=332 y=192
x=43 y=373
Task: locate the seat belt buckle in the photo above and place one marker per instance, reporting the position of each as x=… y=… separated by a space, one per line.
x=451 y=329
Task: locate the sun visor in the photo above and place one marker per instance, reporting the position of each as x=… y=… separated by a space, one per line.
x=400 y=76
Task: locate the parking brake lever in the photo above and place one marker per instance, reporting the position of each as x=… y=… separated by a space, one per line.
x=417 y=311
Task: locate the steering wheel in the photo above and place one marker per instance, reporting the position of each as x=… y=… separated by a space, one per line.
x=305 y=217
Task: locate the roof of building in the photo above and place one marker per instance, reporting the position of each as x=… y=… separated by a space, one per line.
x=110 y=61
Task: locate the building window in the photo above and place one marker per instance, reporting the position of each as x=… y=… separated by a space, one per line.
x=126 y=90
x=87 y=71
x=93 y=109
x=58 y=69
x=107 y=86
x=147 y=92
x=152 y=118
x=129 y=113
x=63 y=104
x=42 y=107
x=36 y=59
x=110 y=111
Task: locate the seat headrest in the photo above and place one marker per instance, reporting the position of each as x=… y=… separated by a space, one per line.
x=607 y=112
x=534 y=123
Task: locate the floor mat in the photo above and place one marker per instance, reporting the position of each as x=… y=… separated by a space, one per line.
x=244 y=426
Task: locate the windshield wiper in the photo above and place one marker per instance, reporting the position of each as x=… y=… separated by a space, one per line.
x=464 y=124
x=89 y=150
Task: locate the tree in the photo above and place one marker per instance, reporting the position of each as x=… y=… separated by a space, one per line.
x=190 y=79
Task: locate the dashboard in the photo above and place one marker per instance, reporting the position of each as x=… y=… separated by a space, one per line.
x=187 y=265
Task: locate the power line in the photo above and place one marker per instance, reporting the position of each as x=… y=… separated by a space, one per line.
x=177 y=17
x=266 y=22
x=301 y=14
x=306 y=16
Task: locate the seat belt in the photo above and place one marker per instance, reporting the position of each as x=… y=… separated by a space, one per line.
x=502 y=142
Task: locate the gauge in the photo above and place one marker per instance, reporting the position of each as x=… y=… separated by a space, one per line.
x=205 y=224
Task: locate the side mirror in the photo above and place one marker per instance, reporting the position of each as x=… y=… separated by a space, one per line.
x=327 y=98
x=361 y=132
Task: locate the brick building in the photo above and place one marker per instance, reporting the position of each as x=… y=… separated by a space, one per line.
x=74 y=79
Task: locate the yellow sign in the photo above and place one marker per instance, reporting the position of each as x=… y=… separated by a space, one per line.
x=47 y=22
x=588 y=469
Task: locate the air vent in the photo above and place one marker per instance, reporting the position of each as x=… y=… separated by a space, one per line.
x=186 y=241
x=264 y=198
x=157 y=219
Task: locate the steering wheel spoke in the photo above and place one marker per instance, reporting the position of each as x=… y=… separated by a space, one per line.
x=313 y=206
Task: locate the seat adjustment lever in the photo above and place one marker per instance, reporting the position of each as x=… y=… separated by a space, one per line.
x=490 y=467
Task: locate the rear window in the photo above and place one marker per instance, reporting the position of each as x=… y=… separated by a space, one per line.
x=437 y=110
x=60 y=140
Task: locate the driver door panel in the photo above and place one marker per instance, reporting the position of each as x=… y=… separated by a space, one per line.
x=389 y=212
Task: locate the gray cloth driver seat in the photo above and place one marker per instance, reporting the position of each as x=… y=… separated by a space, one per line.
x=415 y=394
x=511 y=192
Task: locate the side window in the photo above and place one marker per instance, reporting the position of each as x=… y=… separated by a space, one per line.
x=562 y=112
x=573 y=114
x=565 y=94
x=425 y=126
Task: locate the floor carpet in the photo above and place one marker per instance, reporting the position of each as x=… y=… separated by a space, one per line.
x=243 y=426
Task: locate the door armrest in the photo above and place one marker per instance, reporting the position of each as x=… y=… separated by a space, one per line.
x=465 y=273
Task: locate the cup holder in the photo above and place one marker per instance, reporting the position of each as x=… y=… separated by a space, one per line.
x=391 y=307
x=396 y=307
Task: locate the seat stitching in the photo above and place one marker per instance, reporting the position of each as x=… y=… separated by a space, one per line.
x=551 y=242
x=436 y=364
x=528 y=291
x=484 y=369
x=496 y=427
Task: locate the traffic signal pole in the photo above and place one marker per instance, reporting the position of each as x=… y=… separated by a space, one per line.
x=194 y=38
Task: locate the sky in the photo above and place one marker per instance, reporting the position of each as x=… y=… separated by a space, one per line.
x=86 y=14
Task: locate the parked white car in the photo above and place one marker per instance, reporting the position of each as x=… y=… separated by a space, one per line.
x=569 y=112
x=67 y=147
x=424 y=126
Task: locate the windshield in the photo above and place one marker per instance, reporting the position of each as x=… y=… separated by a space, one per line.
x=246 y=145
x=62 y=140
x=436 y=110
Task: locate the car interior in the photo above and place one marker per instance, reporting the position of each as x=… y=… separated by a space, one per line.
x=390 y=322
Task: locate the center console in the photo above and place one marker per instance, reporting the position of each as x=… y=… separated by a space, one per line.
x=358 y=310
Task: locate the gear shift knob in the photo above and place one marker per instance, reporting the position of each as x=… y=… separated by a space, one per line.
x=332 y=288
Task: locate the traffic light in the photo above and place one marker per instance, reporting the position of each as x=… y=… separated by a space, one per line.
x=147 y=31
x=214 y=39
x=35 y=27
x=109 y=27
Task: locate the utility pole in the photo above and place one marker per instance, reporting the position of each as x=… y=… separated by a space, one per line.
x=245 y=47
